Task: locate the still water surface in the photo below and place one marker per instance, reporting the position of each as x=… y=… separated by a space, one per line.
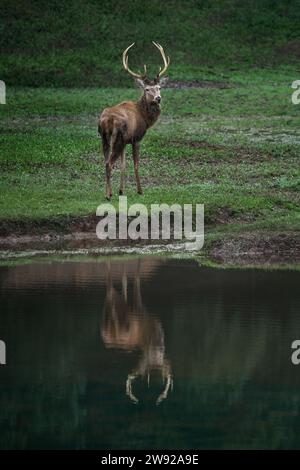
x=148 y=353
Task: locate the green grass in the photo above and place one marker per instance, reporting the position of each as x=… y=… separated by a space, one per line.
x=236 y=150
x=79 y=42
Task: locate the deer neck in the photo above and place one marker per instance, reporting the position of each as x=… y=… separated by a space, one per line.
x=149 y=111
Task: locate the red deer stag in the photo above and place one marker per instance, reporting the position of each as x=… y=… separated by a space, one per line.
x=127 y=122
x=127 y=325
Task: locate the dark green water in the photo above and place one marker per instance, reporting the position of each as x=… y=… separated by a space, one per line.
x=77 y=332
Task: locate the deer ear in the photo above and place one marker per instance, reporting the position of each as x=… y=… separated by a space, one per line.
x=163 y=81
x=139 y=82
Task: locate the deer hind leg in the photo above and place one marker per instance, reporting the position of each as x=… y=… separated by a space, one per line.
x=108 y=191
x=123 y=174
x=136 y=157
x=117 y=147
x=105 y=146
x=106 y=151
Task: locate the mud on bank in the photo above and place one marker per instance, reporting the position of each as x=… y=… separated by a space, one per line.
x=75 y=234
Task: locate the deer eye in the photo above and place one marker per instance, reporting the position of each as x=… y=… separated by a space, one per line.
x=147 y=89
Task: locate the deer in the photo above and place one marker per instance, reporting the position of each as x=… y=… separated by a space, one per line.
x=128 y=122
x=126 y=325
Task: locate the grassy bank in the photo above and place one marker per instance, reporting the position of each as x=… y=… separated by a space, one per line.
x=231 y=143
x=235 y=149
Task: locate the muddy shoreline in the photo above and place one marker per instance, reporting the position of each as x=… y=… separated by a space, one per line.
x=64 y=235
x=257 y=248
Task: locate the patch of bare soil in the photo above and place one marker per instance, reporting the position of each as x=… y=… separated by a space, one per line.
x=290 y=49
x=241 y=154
x=226 y=215
x=257 y=248
x=46 y=227
x=198 y=84
x=62 y=242
x=65 y=233
x=22 y=246
x=202 y=144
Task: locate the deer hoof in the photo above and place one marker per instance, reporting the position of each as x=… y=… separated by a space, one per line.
x=140 y=191
x=121 y=192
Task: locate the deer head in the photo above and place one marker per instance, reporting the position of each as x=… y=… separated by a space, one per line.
x=151 y=87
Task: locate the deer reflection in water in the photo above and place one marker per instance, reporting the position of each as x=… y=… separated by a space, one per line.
x=127 y=325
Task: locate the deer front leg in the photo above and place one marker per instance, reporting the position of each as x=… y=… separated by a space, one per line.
x=123 y=175
x=136 y=157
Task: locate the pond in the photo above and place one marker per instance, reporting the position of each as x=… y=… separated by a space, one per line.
x=148 y=353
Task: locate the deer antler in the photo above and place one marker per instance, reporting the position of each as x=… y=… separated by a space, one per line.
x=165 y=392
x=165 y=59
x=130 y=379
x=166 y=376
x=126 y=67
x=143 y=76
